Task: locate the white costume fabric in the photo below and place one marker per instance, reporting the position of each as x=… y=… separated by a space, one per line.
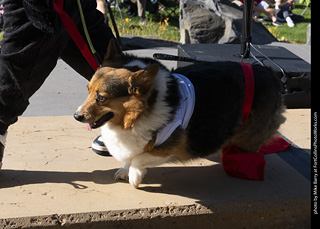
x=184 y=111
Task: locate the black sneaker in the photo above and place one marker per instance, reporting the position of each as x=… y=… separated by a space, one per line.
x=277 y=23
x=99 y=148
x=264 y=18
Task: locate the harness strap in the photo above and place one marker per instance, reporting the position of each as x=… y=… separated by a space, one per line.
x=249 y=165
x=249 y=90
x=236 y=163
x=74 y=33
x=184 y=111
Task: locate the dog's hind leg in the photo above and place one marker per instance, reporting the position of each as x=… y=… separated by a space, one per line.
x=255 y=132
x=139 y=165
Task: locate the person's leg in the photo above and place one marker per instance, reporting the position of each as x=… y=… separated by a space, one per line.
x=141 y=6
x=263 y=7
x=28 y=55
x=270 y=13
x=284 y=15
x=142 y=11
x=256 y=11
x=101 y=6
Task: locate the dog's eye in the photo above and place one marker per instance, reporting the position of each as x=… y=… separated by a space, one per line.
x=100 y=98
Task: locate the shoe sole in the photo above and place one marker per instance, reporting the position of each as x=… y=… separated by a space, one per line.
x=102 y=153
x=100 y=150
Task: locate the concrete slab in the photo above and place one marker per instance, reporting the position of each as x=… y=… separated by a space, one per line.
x=300 y=119
x=50 y=170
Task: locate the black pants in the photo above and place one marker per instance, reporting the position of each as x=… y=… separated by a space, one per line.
x=34 y=39
x=283 y=12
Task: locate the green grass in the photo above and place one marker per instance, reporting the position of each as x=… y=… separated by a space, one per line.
x=297 y=34
x=158 y=25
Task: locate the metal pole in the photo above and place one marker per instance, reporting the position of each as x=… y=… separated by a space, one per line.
x=246 y=28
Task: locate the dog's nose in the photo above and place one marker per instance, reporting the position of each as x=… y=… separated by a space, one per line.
x=78 y=116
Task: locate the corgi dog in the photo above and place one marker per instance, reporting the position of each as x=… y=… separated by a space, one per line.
x=149 y=115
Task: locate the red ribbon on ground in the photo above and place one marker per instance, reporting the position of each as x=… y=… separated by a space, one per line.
x=74 y=33
x=249 y=165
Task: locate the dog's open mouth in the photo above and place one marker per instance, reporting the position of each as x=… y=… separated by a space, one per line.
x=105 y=118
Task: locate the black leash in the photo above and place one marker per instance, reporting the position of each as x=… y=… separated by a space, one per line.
x=114 y=24
x=162 y=56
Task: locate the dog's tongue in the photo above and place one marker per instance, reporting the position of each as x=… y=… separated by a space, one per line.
x=89 y=126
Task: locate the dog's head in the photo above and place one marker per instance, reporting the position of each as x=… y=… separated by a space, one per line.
x=118 y=95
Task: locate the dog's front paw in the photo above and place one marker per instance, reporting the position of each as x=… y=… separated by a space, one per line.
x=136 y=176
x=121 y=174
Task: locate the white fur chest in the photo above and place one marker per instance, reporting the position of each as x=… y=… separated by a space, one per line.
x=122 y=144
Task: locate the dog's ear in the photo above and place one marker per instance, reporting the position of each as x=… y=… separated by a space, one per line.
x=139 y=84
x=112 y=57
x=141 y=81
x=134 y=109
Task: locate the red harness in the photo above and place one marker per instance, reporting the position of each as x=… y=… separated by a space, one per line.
x=249 y=165
x=74 y=33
